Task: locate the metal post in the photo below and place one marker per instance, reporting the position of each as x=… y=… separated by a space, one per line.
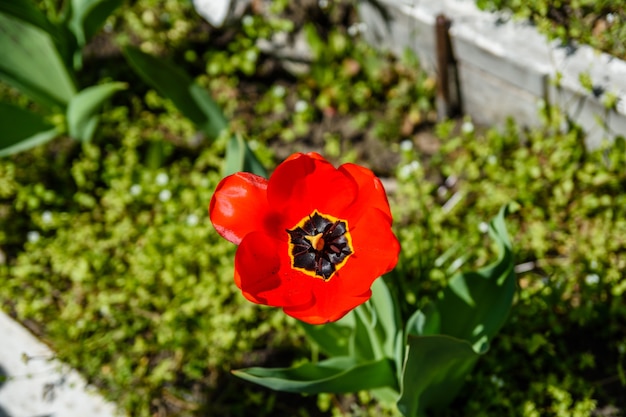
x=448 y=94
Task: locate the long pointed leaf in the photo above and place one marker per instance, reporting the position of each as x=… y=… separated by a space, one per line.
x=365 y=345
x=434 y=371
x=31 y=63
x=476 y=304
x=358 y=331
x=88 y=16
x=21 y=129
x=173 y=83
x=342 y=374
x=239 y=157
x=27 y=11
x=469 y=314
x=82 y=111
x=216 y=122
x=196 y=104
x=389 y=323
x=333 y=339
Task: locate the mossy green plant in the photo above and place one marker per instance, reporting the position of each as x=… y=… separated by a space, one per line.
x=561 y=351
x=122 y=273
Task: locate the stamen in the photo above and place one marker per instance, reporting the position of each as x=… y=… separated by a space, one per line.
x=319 y=245
x=317 y=241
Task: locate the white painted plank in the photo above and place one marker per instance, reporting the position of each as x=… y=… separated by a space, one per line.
x=41 y=386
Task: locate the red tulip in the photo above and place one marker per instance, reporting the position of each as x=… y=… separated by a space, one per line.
x=312 y=239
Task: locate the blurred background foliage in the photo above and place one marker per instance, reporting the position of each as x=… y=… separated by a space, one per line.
x=107 y=253
x=600 y=24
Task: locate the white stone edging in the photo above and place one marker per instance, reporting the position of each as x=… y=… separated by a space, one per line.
x=506 y=67
x=34 y=384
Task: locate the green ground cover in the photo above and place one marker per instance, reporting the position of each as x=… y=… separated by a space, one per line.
x=596 y=23
x=110 y=258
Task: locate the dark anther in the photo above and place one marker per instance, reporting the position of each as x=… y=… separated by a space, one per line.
x=319 y=245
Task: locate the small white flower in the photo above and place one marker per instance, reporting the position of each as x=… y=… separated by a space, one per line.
x=162 y=179
x=353 y=30
x=46 y=217
x=279 y=91
x=497 y=381
x=33 y=236
x=247 y=20
x=456 y=264
x=492 y=159
x=610 y=18
x=541 y=105
x=592 y=279
x=165 y=195
x=483 y=227
x=408 y=169
x=467 y=127
x=406 y=145
x=251 y=55
x=450 y=181
x=105 y=310
x=404 y=172
x=323 y=4
x=135 y=189
x=301 y=106
x=192 y=220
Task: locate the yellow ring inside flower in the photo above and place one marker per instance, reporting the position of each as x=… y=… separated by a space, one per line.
x=319 y=245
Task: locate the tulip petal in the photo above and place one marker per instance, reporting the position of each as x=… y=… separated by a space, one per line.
x=371 y=193
x=239 y=206
x=329 y=303
x=376 y=248
x=305 y=183
x=263 y=273
x=376 y=251
x=257 y=214
x=313 y=155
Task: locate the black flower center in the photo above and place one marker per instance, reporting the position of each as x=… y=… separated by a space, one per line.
x=319 y=245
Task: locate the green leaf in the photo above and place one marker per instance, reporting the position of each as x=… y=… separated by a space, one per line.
x=83 y=19
x=388 y=334
x=82 y=111
x=88 y=16
x=341 y=374
x=26 y=11
x=389 y=324
x=31 y=63
x=378 y=331
x=476 y=304
x=333 y=339
x=365 y=345
x=426 y=321
x=173 y=83
x=21 y=129
x=372 y=331
x=434 y=371
x=196 y=104
x=216 y=122
x=470 y=312
x=239 y=157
